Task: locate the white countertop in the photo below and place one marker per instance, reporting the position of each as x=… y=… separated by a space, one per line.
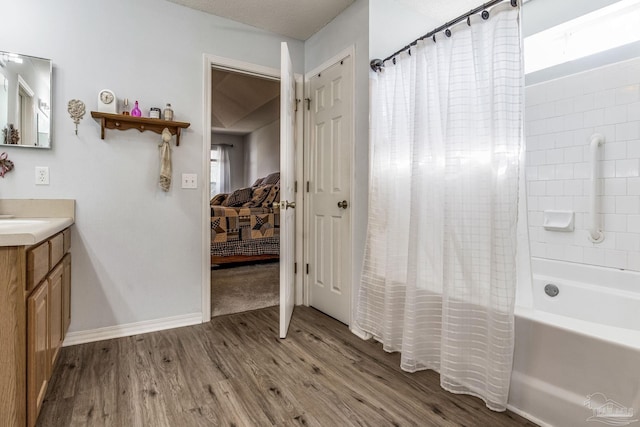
x=29 y=231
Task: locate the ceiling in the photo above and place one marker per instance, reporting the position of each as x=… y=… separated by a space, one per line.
x=242 y=103
x=300 y=19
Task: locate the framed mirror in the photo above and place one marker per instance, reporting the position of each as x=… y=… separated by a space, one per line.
x=25 y=101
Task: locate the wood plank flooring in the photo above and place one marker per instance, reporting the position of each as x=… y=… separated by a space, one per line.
x=234 y=371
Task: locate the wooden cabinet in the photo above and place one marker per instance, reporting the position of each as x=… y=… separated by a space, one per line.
x=37 y=350
x=35 y=290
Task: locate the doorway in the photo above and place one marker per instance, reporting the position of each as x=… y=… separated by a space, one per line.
x=244 y=186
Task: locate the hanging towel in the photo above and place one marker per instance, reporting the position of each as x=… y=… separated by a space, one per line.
x=165 y=161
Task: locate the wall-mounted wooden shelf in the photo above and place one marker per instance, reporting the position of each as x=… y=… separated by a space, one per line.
x=122 y=122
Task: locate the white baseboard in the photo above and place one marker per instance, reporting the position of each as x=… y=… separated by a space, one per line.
x=528 y=416
x=119 y=331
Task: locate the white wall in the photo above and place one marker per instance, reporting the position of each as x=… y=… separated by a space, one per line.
x=392 y=26
x=236 y=157
x=137 y=252
x=561 y=115
x=351 y=28
x=262 y=152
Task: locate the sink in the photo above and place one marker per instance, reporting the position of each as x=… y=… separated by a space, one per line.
x=4 y=223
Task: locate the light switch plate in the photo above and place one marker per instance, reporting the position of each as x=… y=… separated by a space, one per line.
x=189 y=180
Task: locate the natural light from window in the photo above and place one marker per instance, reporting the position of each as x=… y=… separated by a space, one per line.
x=607 y=28
x=215 y=172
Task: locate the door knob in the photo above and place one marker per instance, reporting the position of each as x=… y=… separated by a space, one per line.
x=288 y=204
x=343 y=204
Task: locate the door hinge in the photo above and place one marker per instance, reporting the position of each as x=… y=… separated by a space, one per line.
x=308 y=103
x=297 y=101
x=307 y=268
x=307 y=186
x=295 y=268
x=295 y=187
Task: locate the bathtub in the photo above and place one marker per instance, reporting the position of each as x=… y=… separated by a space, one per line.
x=577 y=355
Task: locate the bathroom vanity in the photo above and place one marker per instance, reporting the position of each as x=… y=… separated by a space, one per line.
x=35 y=297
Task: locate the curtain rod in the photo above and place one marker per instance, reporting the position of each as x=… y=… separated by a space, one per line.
x=377 y=64
x=222 y=144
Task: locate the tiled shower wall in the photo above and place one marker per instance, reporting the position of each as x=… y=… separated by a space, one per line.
x=561 y=115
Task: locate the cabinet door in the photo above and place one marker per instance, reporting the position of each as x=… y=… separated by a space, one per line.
x=66 y=295
x=55 y=314
x=37 y=350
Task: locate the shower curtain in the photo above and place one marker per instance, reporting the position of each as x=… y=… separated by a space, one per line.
x=439 y=275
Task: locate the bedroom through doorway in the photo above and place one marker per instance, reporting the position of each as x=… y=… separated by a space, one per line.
x=244 y=184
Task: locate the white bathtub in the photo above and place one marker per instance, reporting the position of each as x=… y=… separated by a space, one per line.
x=577 y=355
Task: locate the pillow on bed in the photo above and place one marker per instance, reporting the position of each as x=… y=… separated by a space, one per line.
x=258 y=183
x=273 y=196
x=238 y=198
x=258 y=196
x=218 y=199
x=273 y=178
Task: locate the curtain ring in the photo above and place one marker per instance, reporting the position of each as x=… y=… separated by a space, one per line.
x=485 y=15
x=394 y=60
x=447 y=32
x=409 y=51
x=468 y=20
x=514 y=3
x=434 y=38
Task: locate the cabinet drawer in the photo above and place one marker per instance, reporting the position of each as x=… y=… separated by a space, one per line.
x=37 y=265
x=66 y=235
x=56 y=243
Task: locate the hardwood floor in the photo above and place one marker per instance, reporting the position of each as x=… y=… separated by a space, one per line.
x=234 y=371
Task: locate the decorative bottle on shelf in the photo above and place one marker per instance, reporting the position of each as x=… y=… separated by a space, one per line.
x=136 y=111
x=168 y=113
x=125 y=106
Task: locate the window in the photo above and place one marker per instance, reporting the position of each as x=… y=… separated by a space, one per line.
x=607 y=28
x=215 y=172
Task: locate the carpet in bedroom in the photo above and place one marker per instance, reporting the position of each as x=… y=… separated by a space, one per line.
x=245 y=287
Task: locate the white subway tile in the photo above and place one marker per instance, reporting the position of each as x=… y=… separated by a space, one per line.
x=537 y=188
x=615 y=222
x=532 y=203
x=628 y=131
x=564 y=203
x=554 y=188
x=584 y=102
x=572 y=121
x=615 y=186
x=563 y=139
x=633 y=149
x=531 y=173
x=615 y=114
x=627 y=94
x=628 y=242
x=608 y=168
x=614 y=150
x=581 y=170
x=564 y=171
x=535 y=95
x=614 y=258
x=555 y=156
x=607 y=204
x=609 y=242
x=580 y=203
x=546 y=202
x=546 y=172
x=538 y=158
x=572 y=187
x=573 y=154
x=633 y=261
x=628 y=204
x=605 y=98
x=546 y=141
x=633 y=223
x=628 y=168
x=593 y=256
x=539 y=249
x=574 y=253
x=633 y=111
x=633 y=186
x=563 y=107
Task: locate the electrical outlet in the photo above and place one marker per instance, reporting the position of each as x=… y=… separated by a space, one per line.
x=189 y=180
x=42 y=175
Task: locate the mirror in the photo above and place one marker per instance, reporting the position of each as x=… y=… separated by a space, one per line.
x=25 y=101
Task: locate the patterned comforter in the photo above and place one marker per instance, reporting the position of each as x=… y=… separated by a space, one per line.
x=244 y=231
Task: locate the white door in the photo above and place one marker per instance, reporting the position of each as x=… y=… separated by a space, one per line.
x=287 y=190
x=329 y=186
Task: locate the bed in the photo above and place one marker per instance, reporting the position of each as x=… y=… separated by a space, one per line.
x=244 y=225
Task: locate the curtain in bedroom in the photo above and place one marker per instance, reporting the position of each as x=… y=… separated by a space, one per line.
x=439 y=275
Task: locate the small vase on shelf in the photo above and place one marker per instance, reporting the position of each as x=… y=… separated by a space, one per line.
x=168 y=113
x=136 y=111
